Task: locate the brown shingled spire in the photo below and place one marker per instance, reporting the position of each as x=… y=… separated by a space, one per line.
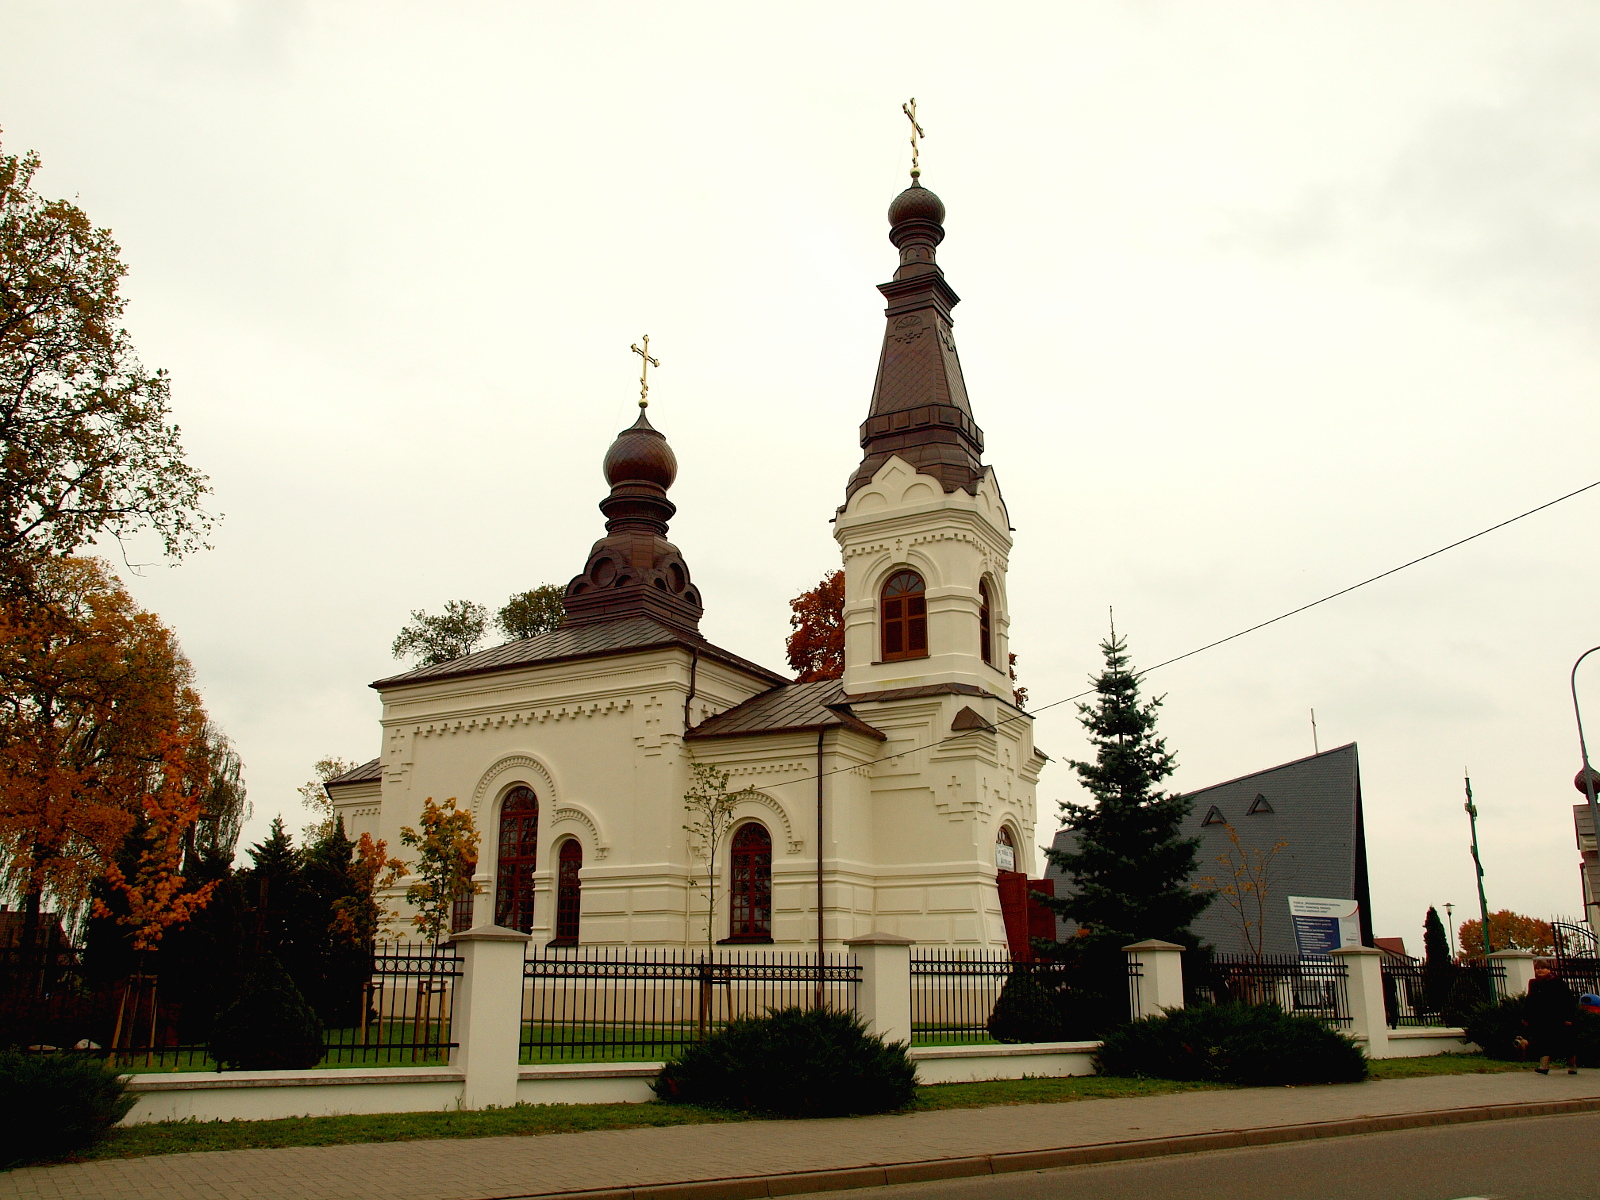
x=919 y=402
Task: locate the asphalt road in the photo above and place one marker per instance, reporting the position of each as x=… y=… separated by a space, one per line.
x=1541 y=1158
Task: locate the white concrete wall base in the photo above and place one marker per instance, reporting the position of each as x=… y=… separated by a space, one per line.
x=1423 y=1041
x=1028 y=1060
x=269 y=1095
x=603 y=1083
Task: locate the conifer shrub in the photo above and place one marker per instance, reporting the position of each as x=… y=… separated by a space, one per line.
x=1249 y=1044
x=1026 y=1011
x=269 y=1027
x=1496 y=1027
x=53 y=1105
x=793 y=1063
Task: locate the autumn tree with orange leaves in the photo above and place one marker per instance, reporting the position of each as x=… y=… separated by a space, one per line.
x=99 y=727
x=1509 y=931
x=816 y=645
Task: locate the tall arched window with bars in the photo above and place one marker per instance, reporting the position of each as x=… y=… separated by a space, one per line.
x=904 y=609
x=569 y=892
x=519 y=848
x=750 y=890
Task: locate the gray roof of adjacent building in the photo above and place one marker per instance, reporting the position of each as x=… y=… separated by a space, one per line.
x=629 y=635
x=367 y=772
x=1313 y=806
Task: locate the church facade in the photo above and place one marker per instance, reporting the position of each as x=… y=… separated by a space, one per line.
x=886 y=801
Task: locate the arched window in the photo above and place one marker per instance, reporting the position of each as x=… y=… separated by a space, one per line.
x=905 y=617
x=1005 y=850
x=519 y=845
x=461 y=908
x=985 y=636
x=751 y=885
x=569 y=900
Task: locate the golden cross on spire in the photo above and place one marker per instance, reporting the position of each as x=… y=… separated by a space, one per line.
x=644 y=371
x=910 y=111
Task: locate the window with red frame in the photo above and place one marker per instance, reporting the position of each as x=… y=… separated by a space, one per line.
x=905 y=617
x=751 y=891
x=985 y=637
x=519 y=846
x=569 y=895
x=461 y=908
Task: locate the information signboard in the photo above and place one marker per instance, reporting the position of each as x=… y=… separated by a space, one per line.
x=1322 y=925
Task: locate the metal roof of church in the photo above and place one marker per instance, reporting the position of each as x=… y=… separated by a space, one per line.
x=367 y=772
x=628 y=635
x=788 y=708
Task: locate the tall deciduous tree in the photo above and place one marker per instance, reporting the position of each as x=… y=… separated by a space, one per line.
x=816 y=643
x=530 y=613
x=1508 y=931
x=87 y=446
x=447 y=856
x=454 y=633
x=90 y=686
x=1130 y=870
x=314 y=795
x=710 y=806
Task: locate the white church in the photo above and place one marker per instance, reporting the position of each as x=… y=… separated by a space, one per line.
x=893 y=799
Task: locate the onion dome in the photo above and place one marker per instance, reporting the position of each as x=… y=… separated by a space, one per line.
x=641 y=455
x=916 y=203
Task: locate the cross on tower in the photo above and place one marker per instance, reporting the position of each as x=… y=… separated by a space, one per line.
x=644 y=371
x=910 y=111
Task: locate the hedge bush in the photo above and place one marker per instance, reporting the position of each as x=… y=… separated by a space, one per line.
x=270 y=1027
x=1495 y=1028
x=52 y=1105
x=1254 y=1045
x=793 y=1063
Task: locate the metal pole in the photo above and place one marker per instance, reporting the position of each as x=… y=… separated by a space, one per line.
x=1450 y=927
x=818 y=1001
x=1483 y=904
x=1588 y=778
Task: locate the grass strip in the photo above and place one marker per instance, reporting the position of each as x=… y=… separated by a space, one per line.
x=524 y=1120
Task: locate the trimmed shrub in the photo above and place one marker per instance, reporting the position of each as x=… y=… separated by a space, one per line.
x=52 y=1105
x=1256 y=1045
x=1026 y=1011
x=270 y=1027
x=793 y=1063
x=1495 y=1028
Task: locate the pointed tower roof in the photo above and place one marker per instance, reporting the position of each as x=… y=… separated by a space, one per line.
x=919 y=401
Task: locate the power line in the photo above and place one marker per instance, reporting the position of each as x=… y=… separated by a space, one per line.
x=1231 y=637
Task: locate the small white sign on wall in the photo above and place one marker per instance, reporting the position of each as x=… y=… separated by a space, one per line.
x=1005 y=857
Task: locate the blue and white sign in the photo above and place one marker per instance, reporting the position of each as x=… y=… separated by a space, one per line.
x=1322 y=925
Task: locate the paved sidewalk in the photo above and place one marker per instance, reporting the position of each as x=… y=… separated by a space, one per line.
x=503 y=1167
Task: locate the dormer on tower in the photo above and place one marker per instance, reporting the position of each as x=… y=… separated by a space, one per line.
x=923 y=528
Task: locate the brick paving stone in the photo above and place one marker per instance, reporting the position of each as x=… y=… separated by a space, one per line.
x=487 y=1168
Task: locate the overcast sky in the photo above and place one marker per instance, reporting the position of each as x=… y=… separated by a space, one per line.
x=1258 y=300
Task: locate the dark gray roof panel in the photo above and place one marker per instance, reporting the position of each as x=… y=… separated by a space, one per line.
x=599 y=640
x=1314 y=805
x=788 y=708
x=367 y=772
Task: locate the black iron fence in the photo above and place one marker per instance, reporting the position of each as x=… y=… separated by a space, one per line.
x=615 y=1004
x=398 y=1014
x=972 y=996
x=1439 y=994
x=1313 y=987
x=1582 y=975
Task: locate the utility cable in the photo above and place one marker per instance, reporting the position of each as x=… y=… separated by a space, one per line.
x=1221 y=641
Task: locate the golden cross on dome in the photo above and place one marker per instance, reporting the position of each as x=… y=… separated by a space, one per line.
x=910 y=111
x=644 y=371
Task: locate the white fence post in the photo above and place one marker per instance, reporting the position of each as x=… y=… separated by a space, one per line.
x=1368 y=1019
x=883 y=998
x=1160 y=967
x=486 y=1017
x=1519 y=972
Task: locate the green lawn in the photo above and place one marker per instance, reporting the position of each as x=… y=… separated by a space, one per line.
x=529 y=1119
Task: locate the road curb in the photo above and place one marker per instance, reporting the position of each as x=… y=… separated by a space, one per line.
x=795 y=1183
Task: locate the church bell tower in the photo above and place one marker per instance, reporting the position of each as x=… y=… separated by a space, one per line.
x=923 y=528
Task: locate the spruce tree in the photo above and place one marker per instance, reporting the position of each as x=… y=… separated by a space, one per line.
x=1129 y=874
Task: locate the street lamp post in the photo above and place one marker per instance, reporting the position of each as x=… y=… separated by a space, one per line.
x=1588 y=774
x=1450 y=924
x=1477 y=864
